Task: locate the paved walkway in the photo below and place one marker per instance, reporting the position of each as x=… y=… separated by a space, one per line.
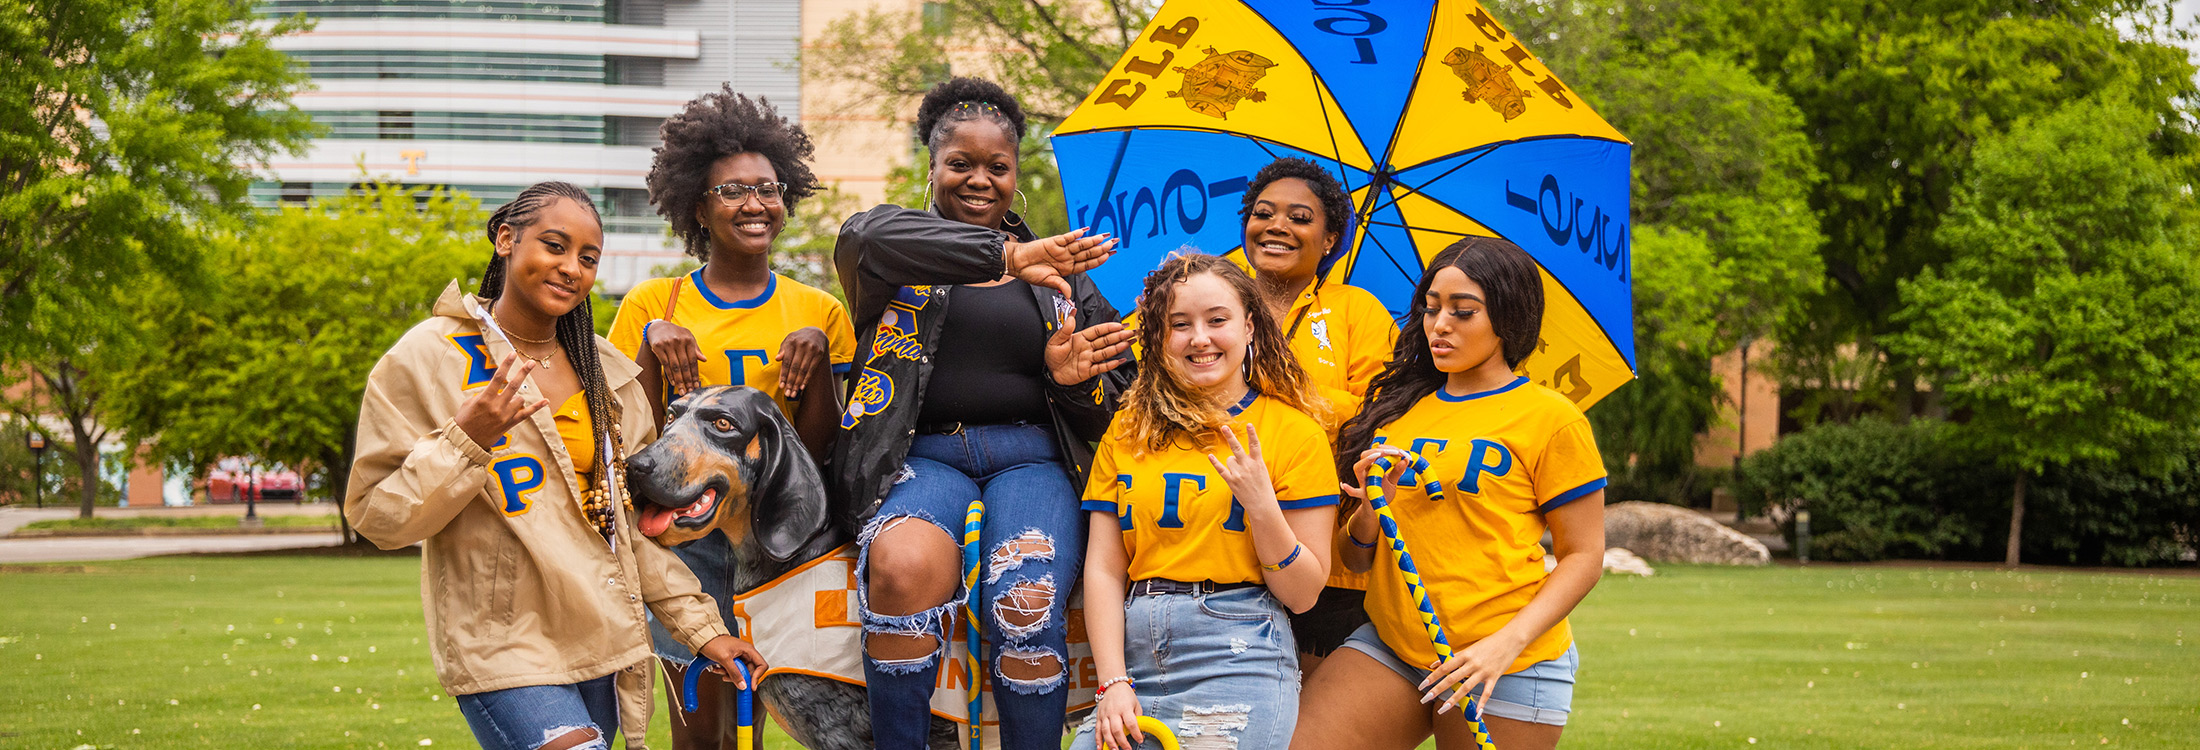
x=85 y=549
x=16 y=516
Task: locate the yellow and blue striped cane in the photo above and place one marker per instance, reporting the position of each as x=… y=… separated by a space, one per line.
x=972 y=636
x=744 y=705
x=1404 y=559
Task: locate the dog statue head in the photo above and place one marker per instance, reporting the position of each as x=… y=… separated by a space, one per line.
x=729 y=461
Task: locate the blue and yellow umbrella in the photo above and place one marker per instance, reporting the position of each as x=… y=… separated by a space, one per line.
x=1435 y=117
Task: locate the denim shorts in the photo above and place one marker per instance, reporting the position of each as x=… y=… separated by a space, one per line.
x=1222 y=665
x=1541 y=694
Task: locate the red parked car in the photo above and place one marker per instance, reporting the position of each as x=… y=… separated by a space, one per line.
x=233 y=481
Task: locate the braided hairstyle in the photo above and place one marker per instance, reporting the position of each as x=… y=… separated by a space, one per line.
x=712 y=127
x=1160 y=405
x=1512 y=289
x=964 y=99
x=576 y=329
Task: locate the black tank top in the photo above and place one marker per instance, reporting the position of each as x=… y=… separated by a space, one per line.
x=991 y=357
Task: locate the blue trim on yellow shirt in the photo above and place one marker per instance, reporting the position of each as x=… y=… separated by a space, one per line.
x=1099 y=506
x=1571 y=495
x=1244 y=403
x=843 y=368
x=1446 y=395
x=770 y=285
x=1307 y=502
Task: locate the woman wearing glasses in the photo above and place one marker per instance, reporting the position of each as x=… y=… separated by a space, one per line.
x=728 y=173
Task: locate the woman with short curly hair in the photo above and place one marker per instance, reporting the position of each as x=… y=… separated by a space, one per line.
x=726 y=177
x=1297 y=219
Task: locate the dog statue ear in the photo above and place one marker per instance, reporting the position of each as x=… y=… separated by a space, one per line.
x=796 y=509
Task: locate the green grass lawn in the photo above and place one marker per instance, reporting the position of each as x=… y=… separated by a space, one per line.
x=319 y=651
x=101 y=523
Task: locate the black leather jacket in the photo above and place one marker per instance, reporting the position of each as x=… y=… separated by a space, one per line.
x=897 y=266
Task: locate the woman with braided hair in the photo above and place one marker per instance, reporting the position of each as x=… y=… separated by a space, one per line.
x=989 y=363
x=532 y=573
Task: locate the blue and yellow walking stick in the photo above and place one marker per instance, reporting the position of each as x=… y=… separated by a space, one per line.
x=973 y=522
x=1418 y=467
x=744 y=702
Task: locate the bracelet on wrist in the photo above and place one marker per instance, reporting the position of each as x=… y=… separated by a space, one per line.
x=1356 y=540
x=1112 y=682
x=1287 y=559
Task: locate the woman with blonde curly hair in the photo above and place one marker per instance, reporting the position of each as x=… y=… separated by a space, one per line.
x=1202 y=541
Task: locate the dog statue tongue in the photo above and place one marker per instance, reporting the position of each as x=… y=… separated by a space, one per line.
x=656 y=519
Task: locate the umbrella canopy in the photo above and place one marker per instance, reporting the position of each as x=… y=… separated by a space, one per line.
x=1436 y=119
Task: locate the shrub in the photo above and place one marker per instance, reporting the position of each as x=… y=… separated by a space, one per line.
x=1874 y=490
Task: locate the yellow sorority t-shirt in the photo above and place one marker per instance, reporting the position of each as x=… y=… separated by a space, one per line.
x=1343 y=341
x=1506 y=457
x=1179 y=519
x=740 y=338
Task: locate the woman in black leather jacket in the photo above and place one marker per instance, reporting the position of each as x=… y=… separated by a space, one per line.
x=994 y=397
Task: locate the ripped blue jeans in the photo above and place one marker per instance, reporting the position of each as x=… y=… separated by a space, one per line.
x=1033 y=543
x=525 y=718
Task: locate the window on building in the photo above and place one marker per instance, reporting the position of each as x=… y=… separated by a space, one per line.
x=393 y=125
x=297 y=193
x=634 y=71
x=632 y=131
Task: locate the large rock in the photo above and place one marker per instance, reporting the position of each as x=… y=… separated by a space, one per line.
x=1622 y=561
x=1670 y=533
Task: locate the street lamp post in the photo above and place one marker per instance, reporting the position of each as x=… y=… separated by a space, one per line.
x=251 y=502
x=37 y=442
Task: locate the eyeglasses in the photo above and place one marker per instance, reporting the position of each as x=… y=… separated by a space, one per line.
x=733 y=194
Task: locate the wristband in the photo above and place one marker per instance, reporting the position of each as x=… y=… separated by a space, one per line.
x=645 y=332
x=1356 y=540
x=1287 y=559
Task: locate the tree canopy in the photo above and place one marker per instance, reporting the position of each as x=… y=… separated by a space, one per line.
x=128 y=131
x=269 y=358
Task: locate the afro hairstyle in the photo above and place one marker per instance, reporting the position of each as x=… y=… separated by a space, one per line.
x=712 y=127
x=941 y=108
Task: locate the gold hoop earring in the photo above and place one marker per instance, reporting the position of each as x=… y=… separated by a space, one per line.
x=1015 y=219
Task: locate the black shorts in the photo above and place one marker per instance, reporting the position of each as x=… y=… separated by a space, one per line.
x=1335 y=615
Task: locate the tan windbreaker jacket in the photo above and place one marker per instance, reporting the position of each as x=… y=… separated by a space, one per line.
x=519 y=589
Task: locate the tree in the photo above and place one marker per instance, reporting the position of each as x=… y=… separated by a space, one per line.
x=69 y=382
x=2064 y=316
x=271 y=358
x=127 y=128
x=1725 y=238
x=1897 y=94
x=1050 y=53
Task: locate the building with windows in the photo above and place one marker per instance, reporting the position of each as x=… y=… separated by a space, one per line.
x=489 y=96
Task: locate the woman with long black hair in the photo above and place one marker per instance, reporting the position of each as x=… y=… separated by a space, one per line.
x=495 y=434
x=1512 y=460
x=988 y=364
